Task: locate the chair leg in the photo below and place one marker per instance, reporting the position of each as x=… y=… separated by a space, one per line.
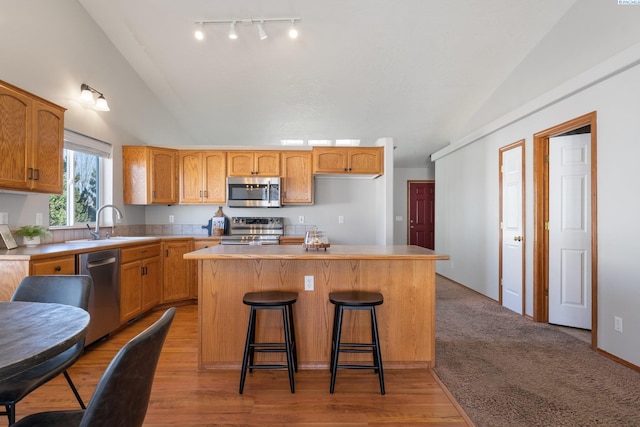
x=11 y=413
x=75 y=391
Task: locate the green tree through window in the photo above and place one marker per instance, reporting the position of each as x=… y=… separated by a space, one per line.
x=79 y=199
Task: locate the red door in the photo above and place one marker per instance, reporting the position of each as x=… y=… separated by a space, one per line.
x=422 y=214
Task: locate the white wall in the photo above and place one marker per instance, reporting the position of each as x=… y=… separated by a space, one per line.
x=51 y=47
x=467 y=200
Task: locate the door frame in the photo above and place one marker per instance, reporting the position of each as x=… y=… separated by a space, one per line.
x=541 y=218
x=408 y=211
x=501 y=151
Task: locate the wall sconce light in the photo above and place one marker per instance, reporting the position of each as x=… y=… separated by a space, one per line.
x=262 y=34
x=86 y=96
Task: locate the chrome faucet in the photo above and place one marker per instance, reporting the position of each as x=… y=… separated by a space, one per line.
x=96 y=233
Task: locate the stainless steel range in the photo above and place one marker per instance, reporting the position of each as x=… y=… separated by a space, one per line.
x=254 y=231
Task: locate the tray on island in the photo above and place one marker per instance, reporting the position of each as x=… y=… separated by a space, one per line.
x=316 y=246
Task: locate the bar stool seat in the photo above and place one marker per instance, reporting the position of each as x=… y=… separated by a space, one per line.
x=270 y=300
x=355 y=300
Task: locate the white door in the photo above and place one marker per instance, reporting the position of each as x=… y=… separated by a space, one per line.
x=512 y=227
x=570 y=231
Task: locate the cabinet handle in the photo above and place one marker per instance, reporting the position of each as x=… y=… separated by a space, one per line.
x=37 y=174
x=57 y=268
x=166 y=253
x=30 y=175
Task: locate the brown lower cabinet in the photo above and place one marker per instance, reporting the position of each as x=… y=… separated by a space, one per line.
x=178 y=274
x=140 y=280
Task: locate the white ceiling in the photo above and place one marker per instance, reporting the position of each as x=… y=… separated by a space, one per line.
x=414 y=70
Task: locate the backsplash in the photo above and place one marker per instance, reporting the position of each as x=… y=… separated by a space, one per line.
x=187 y=230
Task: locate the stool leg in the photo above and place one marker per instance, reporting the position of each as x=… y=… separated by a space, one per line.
x=377 y=355
x=294 y=346
x=247 y=347
x=252 y=347
x=287 y=345
x=333 y=336
x=336 y=347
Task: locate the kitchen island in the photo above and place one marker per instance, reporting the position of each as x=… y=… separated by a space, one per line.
x=405 y=275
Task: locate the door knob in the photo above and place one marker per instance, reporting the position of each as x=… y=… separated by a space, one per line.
x=518 y=238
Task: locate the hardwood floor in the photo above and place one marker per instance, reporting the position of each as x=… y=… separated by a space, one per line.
x=183 y=396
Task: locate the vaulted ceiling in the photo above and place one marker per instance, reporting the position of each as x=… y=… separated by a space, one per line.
x=414 y=70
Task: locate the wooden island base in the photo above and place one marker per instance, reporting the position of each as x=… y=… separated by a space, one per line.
x=405 y=275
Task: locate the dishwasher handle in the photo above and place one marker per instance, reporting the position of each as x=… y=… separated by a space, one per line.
x=101 y=262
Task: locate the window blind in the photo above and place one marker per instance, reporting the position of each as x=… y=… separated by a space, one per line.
x=85 y=144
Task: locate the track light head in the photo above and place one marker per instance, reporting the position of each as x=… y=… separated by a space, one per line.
x=199 y=33
x=293 y=31
x=261 y=33
x=232 y=31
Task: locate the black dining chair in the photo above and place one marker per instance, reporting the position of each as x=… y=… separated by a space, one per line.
x=122 y=396
x=60 y=289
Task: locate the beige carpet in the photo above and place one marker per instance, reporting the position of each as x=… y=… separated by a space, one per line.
x=505 y=370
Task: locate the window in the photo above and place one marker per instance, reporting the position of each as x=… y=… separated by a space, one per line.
x=86 y=163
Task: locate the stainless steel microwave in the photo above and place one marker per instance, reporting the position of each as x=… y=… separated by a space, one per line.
x=253 y=192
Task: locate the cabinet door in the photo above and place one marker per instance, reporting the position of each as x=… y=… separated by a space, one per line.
x=215 y=176
x=15 y=138
x=164 y=171
x=177 y=275
x=151 y=283
x=297 y=178
x=130 y=290
x=329 y=160
x=48 y=143
x=240 y=163
x=267 y=163
x=190 y=177
x=135 y=184
x=365 y=160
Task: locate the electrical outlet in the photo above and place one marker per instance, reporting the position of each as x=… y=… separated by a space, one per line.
x=39 y=218
x=308 y=283
x=301 y=219
x=341 y=219
x=617 y=323
x=4 y=217
x=171 y=219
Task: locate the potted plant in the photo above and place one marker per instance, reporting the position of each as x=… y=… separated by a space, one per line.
x=31 y=234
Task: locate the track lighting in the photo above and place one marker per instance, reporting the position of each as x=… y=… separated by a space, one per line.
x=86 y=96
x=262 y=34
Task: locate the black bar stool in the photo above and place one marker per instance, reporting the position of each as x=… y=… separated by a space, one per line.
x=355 y=300
x=270 y=300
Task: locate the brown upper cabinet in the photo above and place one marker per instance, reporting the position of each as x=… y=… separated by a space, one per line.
x=337 y=160
x=150 y=175
x=203 y=176
x=31 y=142
x=297 y=178
x=253 y=163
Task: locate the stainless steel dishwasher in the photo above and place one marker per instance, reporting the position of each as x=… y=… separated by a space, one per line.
x=104 y=300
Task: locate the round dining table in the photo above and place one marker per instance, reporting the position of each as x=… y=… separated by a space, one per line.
x=34 y=332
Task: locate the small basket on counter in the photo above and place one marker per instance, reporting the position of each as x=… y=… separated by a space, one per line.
x=316 y=240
